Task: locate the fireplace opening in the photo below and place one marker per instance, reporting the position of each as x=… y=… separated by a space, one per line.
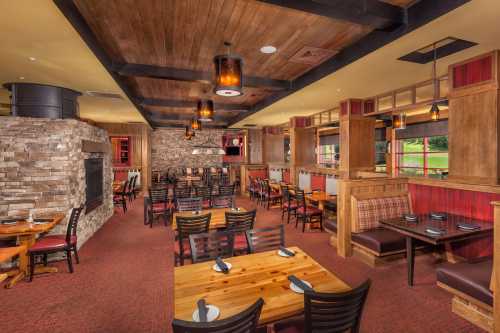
x=94 y=183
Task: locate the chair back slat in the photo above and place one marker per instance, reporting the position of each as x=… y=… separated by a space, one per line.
x=339 y=312
x=243 y=322
x=203 y=192
x=226 y=190
x=158 y=194
x=237 y=222
x=189 y=204
x=223 y=201
x=300 y=198
x=208 y=246
x=265 y=239
x=73 y=222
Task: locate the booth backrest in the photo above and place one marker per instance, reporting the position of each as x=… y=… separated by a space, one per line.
x=368 y=211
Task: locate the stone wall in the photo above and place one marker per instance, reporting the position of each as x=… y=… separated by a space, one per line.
x=42 y=170
x=170 y=149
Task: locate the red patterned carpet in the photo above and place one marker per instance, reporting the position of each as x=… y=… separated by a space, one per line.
x=124 y=284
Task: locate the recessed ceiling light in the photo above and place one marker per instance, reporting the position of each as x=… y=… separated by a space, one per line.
x=268 y=49
x=338 y=89
x=32 y=58
x=21 y=78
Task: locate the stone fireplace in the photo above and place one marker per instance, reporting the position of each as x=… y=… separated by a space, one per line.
x=42 y=170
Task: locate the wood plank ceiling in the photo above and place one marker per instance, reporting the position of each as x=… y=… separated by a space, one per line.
x=165 y=36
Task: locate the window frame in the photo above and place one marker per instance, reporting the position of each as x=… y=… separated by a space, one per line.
x=425 y=168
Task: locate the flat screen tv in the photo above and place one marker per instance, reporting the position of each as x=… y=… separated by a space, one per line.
x=233 y=151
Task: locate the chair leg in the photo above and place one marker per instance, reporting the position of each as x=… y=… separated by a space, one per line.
x=321 y=222
x=288 y=216
x=70 y=261
x=45 y=259
x=304 y=221
x=32 y=266
x=296 y=221
x=77 y=259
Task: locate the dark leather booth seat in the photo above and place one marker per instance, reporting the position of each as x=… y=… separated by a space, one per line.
x=331 y=224
x=380 y=240
x=471 y=278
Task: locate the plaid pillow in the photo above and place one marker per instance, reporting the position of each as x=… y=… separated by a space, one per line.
x=371 y=211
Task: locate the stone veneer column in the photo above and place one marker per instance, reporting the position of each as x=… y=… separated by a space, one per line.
x=42 y=170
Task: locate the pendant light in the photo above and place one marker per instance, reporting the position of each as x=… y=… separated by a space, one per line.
x=228 y=74
x=434 y=111
x=195 y=125
x=205 y=111
x=208 y=148
x=189 y=133
x=399 y=121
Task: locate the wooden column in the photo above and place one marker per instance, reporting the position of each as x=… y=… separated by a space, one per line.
x=495 y=276
x=357 y=139
x=473 y=123
x=302 y=146
x=273 y=144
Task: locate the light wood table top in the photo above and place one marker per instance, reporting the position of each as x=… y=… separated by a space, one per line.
x=26 y=233
x=252 y=276
x=320 y=196
x=217 y=221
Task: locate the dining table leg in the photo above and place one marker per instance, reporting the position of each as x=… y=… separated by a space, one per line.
x=410 y=258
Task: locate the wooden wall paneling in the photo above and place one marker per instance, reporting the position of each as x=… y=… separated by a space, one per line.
x=357 y=141
x=304 y=146
x=255 y=153
x=274 y=148
x=495 y=279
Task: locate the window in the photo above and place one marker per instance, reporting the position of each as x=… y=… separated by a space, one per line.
x=424 y=156
x=329 y=150
x=380 y=150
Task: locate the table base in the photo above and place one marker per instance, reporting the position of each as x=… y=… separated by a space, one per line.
x=17 y=275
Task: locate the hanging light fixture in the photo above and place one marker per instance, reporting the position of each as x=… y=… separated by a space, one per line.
x=195 y=125
x=228 y=74
x=208 y=148
x=189 y=133
x=434 y=111
x=399 y=121
x=205 y=111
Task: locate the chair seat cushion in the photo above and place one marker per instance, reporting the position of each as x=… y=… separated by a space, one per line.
x=240 y=242
x=274 y=196
x=380 y=240
x=187 y=248
x=331 y=224
x=309 y=211
x=292 y=205
x=73 y=239
x=161 y=207
x=471 y=278
x=48 y=244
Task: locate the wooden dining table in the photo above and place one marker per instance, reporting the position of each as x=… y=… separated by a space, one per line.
x=7 y=253
x=252 y=276
x=320 y=197
x=26 y=234
x=217 y=220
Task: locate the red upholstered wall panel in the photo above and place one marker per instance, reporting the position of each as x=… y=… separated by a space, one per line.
x=121 y=175
x=318 y=182
x=286 y=176
x=476 y=71
x=356 y=107
x=466 y=203
x=258 y=173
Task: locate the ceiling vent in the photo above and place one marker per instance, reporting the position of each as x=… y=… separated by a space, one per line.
x=312 y=55
x=444 y=48
x=101 y=94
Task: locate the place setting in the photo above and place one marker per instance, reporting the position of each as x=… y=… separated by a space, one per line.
x=205 y=312
x=286 y=253
x=221 y=267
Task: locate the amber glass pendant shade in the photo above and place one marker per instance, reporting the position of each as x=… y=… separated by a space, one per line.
x=205 y=111
x=195 y=125
x=399 y=121
x=434 y=112
x=228 y=75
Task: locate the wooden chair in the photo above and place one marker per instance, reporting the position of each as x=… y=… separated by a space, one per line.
x=305 y=213
x=288 y=205
x=226 y=190
x=58 y=243
x=130 y=189
x=244 y=322
x=223 y=201
x=205 y=193
x=120 y=197
x=339 y=312
x=181 y=192
x=189 y=204
x=208 y=246
x=269 y=196
x=188 y=225
x=238 y=223
x=252 y=188
x=159 y=205
x=265 y=239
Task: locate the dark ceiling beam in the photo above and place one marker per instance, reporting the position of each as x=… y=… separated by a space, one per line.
x=70 y=11
x=160 y=124
x=373 y=13
x=418 y=14
x=176 y=74
x=155 y=116
x=173 y=103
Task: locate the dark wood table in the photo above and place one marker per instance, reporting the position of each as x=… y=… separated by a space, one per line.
x=417 y=231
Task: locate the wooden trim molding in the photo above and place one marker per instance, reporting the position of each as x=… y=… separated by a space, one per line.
x=454 y=185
